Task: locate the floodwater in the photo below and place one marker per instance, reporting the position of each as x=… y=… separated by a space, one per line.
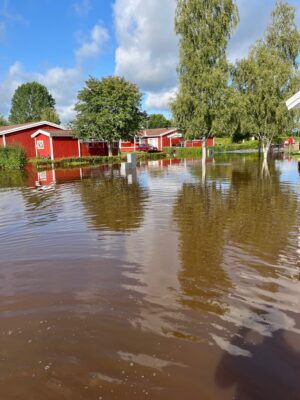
x=167 y=283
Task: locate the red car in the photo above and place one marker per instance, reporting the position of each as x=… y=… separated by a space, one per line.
x=148 y=148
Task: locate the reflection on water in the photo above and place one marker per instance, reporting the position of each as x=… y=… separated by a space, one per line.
x=167 y=284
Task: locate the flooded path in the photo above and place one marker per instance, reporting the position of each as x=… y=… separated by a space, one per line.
x=165 y=284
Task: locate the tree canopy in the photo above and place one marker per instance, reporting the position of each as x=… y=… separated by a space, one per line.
x=109 y=109
x=268 y=77
x=157 y=121
x=3 y=121
x=50 y=114
x=29 y=102
x=204 y=29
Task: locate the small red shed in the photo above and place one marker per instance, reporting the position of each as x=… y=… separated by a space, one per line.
x=56 y=144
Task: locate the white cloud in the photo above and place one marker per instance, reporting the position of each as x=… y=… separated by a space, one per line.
x=160 y=101
x=92 y=48
x=82 y=8
x=147 y=45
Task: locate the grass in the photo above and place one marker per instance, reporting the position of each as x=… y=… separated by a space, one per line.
x=182 y=152
x=73 y=162
x=12 y=158
x=229 y=146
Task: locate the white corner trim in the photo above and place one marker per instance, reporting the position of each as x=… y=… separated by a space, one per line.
x=173 y=130
x=168 y=132
x=31 y=125
x=40 y=132
x=4 y=141
x=79 y=149
x=51 y=149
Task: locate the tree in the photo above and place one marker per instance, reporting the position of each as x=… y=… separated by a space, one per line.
x=158 y=121
x=204 y=28
x=29 y=101
x=50 y=114
x=3 y=121
x=268 y=77
x=108 y=109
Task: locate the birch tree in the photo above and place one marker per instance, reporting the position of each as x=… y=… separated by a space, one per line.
x=204 y=29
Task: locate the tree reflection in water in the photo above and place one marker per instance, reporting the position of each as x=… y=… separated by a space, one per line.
x=112 y=203
x=231 y=224
x=200 y=215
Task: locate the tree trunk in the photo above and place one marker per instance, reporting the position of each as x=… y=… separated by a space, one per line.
x=109 y=146
x=266 y=148
x=203 y=148
x=265 y=173
x=203 y=158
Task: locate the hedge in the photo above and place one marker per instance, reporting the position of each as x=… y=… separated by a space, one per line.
x=12 y=157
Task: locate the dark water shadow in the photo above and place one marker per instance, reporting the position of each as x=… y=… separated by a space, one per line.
x=266 y=369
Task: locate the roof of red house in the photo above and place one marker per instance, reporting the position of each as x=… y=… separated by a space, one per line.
x=156 y=132
x=59 y=133
x=8 y=127
x=19 y=127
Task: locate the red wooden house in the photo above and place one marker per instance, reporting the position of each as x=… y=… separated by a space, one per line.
x=160 y=138
x=56 y=144
x=46 y=139
x=21 y=134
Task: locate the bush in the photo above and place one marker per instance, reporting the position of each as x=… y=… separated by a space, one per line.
x=12 y=157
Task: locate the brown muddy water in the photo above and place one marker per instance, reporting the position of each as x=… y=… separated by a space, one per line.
x=165 y=284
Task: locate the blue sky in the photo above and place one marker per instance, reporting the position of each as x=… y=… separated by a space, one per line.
x=60 y=42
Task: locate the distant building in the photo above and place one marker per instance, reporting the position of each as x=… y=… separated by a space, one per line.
x=160 y=138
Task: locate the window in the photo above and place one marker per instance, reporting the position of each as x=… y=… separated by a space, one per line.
x=40 y=144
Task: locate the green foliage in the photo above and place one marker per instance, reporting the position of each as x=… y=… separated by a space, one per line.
x=50 y=115
x=204 y=28
x=249 y=145
x=108 y=109
x=3 y=121
x=12 y=157
x=267 y=78
x=29 y=101
x=169 y=150
x=157 y=121
x=183 y=152
x=222 y=145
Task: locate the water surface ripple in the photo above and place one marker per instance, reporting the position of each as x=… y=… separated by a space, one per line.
x=168 y=283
